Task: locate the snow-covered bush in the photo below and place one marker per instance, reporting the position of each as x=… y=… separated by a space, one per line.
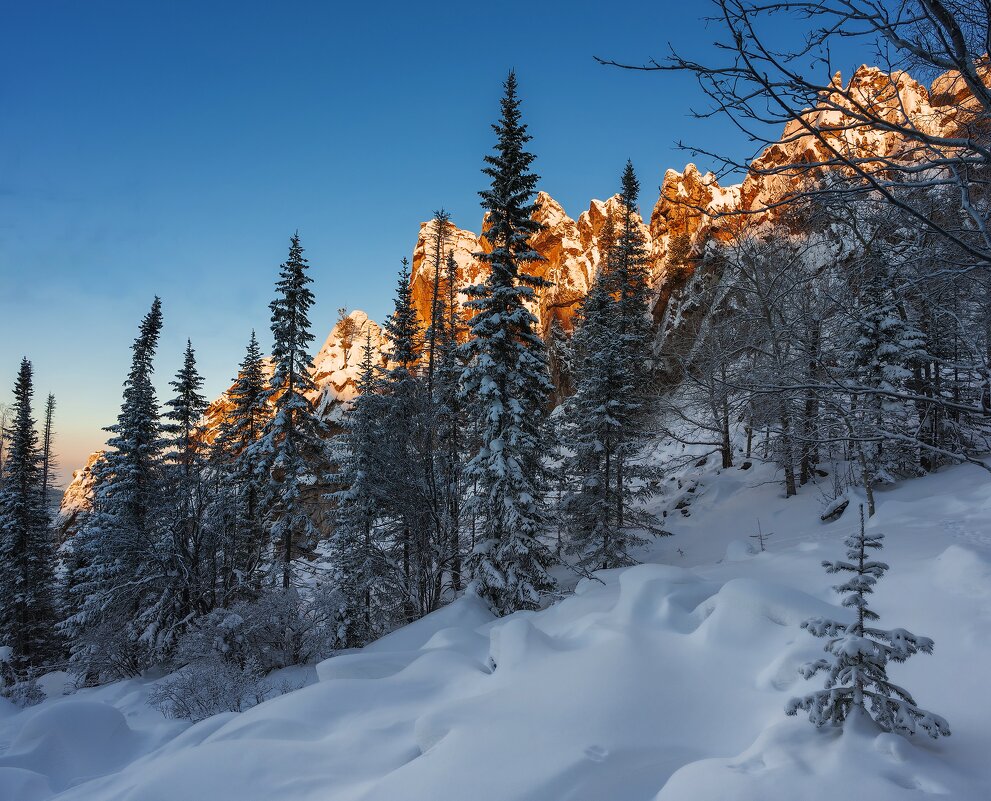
x=279 y=629
x=25 y=693
x=856 y=667
x=208 y=687
x=226 y=656
x=18 y=688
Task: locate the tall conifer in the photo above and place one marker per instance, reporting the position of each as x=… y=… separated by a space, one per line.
x=27 y=622
x=187 y=460
x=243 y=538
x=120 y=566
x=362 y=568
x=292 y=447
x=507 y=377
x=605 y=423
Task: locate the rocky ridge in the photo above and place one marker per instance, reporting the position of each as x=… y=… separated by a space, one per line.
x=691 y=210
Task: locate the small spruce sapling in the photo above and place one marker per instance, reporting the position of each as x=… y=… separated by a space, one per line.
x=858 y=655
x=760 y=536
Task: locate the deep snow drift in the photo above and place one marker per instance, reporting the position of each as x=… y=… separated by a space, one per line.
x=663 y=681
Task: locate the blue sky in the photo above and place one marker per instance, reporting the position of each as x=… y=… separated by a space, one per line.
x=171 y=148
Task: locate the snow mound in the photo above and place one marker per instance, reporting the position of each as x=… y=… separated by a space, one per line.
x=738 y=550
x=961 y=569
x=743 y=607
x=859 y=761
x=71 y=741
x=23 y=785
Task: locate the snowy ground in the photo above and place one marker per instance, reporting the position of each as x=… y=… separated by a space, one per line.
x=664 y=681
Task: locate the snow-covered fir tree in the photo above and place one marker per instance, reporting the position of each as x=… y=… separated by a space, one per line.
x=449 y=421
x=588 y=431
x=237 y=503
x=119 y=562
x=603 y=427
x=444 y=418
x=628 y=280
x=598 y=500
x=507 y=378
x=360 y=563
x=856 y=668
x=291 y=449
x=49 y=463
x=193 y=547
x=884 y=348
x=27 y=598
x=445 y=443
x=410 y=525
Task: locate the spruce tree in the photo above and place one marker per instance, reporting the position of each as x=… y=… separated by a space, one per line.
x=27 y=621
x=450 y=421
x=184 y=412
x=856 y=668
x=629 y=280
x=48 y=461
x=187 y=460
x=604 y=424
x=411 y=522
x=291 y=449
x=120 y=564
x=439 y=349
x=883 y=347
x=134 y=465
x=243 y=539
x=359 y=559
x=507 y=376
x=598 y=494
x=438 y=300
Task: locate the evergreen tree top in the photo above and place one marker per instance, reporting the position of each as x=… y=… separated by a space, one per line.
x=630 y=187
x=145 y=344
x=138 y=417
x=188 y=404
x=151 y=326
x=253 y=354
x=185 y=409
x=293 y=298
x=22 y=455
x=509 y=199
x=240 y=428
x=403 y=325
x=291 y=323
x=249 y=379
x=366 y=368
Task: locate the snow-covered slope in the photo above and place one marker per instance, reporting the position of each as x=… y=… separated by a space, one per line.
x=663 y=681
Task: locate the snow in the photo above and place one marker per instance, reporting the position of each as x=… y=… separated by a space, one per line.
x=662 y=682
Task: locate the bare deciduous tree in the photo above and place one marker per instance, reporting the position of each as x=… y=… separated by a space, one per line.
x=762 y=88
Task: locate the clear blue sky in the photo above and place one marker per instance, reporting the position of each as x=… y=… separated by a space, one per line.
x=173 y=147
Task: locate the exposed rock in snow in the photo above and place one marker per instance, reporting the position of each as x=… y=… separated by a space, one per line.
x=570 y=250
x=77 y=499
x=336 y=366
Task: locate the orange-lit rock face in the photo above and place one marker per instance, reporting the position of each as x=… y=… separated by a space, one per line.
x=570 y=251
x=463 y=245
x=77 y=499
x=337 y=365
x=898 y=99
